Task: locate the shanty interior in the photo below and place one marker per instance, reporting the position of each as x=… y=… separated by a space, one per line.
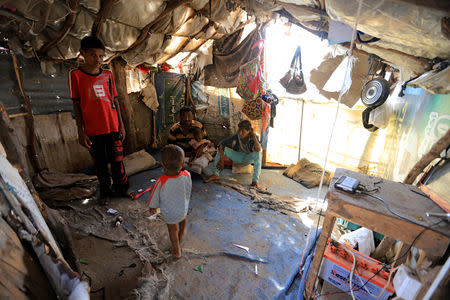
x=353 y=199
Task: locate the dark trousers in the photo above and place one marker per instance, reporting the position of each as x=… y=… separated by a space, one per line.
x=108 y=148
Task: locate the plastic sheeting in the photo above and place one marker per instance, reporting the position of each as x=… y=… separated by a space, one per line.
x=217 y=218
x=146 y=51
x=435 y=82
x=112 y=30
x=143 y=12
x=33 y=10
x=123 y=26
x=192 y=26
x=411 y=29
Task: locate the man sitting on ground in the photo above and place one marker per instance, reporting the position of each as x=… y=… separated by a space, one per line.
x=183 y=132
x=242 y=147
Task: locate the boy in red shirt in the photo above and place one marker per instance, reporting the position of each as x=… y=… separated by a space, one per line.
x=97 y=113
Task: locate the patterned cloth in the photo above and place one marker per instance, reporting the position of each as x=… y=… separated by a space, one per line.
x=177 y=137
x=172 y=195
x=108 y=148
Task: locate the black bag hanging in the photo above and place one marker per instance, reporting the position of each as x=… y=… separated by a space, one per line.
x=293 y=80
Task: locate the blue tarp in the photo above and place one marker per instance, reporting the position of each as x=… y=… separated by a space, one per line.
x=219 y=217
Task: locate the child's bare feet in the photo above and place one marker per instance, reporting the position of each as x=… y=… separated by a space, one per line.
x=212 y=178
x=174 y=239
x=176 y=252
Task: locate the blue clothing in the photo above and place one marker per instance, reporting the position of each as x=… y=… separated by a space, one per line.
x=243 y=158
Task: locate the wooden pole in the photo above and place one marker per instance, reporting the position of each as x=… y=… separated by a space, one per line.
x=301 y=129
x=10 y=141
x=117 y=66
x=29 y=118
x=440 y=145
x=70 y=21
x=104 y=12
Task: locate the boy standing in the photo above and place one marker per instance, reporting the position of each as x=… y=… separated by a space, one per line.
x=97 y=113
x=171 y=193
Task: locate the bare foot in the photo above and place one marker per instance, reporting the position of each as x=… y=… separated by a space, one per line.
x=173 y=235
x=176 y=253
x=256 y=185
x=212 y=178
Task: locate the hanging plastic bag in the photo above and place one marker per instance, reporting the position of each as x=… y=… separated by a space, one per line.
x=341 y=78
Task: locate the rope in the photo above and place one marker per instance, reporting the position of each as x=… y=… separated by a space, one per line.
x=341 y=93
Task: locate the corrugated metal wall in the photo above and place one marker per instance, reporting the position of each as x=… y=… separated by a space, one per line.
x=47 y=94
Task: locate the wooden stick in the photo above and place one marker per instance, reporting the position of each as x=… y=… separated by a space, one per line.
x=196 y=48
x=126 y=109
x=70 y=21
x=16 y=156
x=102 y=14
x=180 y=47
x=42 y=23
x=10 y=141
x=29 y=118
x=440 y=145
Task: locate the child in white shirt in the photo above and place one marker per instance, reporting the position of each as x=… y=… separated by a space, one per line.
x=171 y=193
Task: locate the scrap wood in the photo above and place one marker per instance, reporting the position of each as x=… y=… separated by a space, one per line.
x=194 y=254
x=263 y=198
x=434 y=152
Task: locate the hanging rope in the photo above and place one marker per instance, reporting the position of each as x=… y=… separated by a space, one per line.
x=341 y=93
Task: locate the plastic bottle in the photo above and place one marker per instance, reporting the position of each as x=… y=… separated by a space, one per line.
x=119 y=221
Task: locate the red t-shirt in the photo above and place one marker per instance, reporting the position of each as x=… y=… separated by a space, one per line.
x=96 y=93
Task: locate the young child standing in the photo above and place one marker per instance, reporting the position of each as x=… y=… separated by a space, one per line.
x=171 y=193
x=98 y=118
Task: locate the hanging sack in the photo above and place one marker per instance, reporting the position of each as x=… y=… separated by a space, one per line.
x=253 y=109
x=251 y=77
x=293 y=80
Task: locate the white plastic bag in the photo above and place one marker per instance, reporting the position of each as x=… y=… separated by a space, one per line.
x=362 y=237
x=340 y=77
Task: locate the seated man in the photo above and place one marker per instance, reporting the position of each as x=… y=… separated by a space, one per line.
x=183 y=132
x=242 y=147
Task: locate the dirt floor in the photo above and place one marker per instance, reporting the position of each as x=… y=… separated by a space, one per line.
x=132 y=261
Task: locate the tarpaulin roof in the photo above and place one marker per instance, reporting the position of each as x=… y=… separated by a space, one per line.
x=154 y=31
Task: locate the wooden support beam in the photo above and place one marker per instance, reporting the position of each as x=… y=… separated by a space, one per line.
x=102 y=15
x=29 y=118
x=70 y=21
x=42 y=23
x=174 y=54
x=439 y=146
x=382 y=248
x=118 y=68
x=445 y=27
x=10 y=142
x=401 y=254
x=196 y=48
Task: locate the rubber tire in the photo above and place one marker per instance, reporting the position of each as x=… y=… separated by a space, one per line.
x=365 y=120
x=375 y=92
